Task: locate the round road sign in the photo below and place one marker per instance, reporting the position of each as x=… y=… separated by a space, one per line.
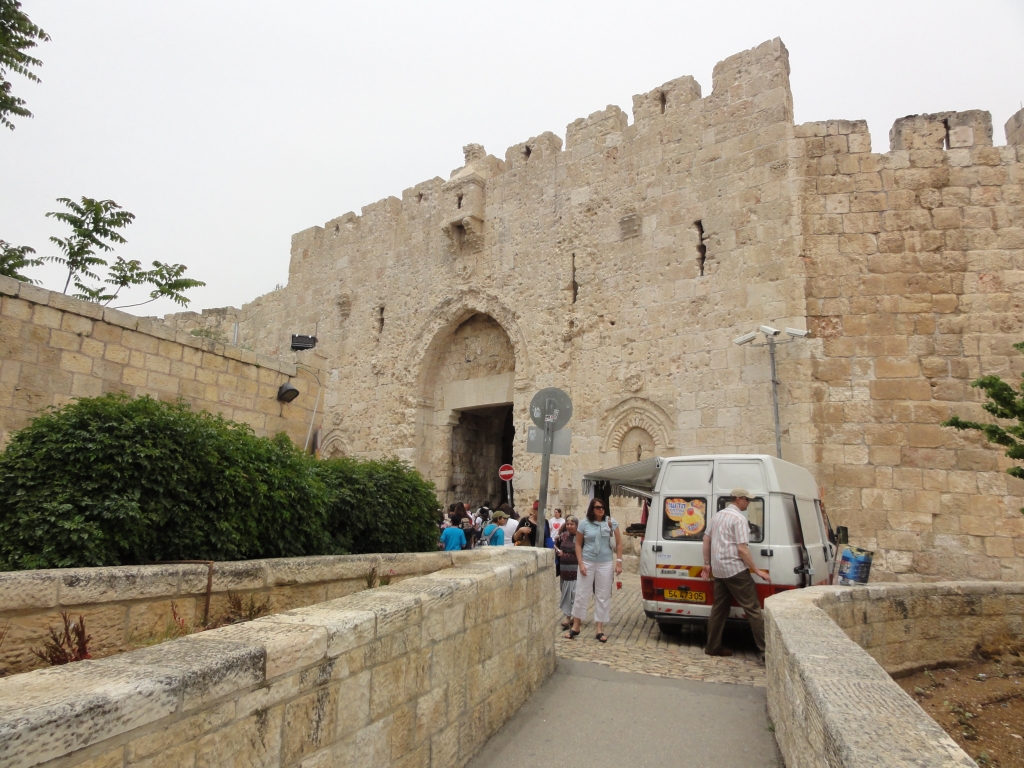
x=553 y=405
x=505 y=472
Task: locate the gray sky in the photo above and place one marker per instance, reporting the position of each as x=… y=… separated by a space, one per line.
x=227 y=126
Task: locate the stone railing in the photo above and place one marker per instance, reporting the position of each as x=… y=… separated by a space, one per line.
x=830 y=652
x=131 y=605
x=412 y=674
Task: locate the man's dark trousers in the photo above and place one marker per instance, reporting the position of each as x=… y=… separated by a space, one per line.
x=742 y=588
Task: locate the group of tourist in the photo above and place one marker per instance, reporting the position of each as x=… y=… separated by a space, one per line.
x=587 y=554
x=463 y=528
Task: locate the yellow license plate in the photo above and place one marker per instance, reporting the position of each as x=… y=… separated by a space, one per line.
x=685 y=595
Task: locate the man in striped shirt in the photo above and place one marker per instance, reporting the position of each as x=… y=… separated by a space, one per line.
x=727 y=557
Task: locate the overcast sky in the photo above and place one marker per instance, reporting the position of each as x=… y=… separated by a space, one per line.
x=228 y=126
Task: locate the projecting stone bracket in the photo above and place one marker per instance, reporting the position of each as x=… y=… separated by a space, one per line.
x=464 y=202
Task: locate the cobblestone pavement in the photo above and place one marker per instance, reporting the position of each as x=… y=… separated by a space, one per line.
x=635 y=644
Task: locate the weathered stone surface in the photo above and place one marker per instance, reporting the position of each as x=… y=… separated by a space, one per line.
x=336 y=691
x=81 y=586
x=20 y=590
x=209 y=668
x=287 y=647
x=346 y=628
x=52 y=712
x=832 y=703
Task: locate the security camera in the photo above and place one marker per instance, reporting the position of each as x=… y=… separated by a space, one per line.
x=746 y=338
x=767 y=330
x=796 y=332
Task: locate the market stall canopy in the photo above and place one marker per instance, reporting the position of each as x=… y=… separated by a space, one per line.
x=634 y=480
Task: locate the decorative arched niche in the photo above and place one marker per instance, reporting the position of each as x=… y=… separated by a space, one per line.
x=637 y=425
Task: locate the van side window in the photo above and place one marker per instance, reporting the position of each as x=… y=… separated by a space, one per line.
x=755 y=517
x=685 y=518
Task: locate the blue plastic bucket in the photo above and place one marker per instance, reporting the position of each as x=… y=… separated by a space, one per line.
x=855 y=566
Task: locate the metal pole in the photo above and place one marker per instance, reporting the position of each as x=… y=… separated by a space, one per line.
x=775 y=397
x=319 y=389
x=545 y=467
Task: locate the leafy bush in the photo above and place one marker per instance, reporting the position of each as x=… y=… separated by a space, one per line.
x=379 y=506
x=114 y=481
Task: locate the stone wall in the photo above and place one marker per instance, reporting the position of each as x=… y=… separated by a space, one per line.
x=830 y=651
x=915 y=264
x=420 y=673
x=621 y=263
x=54 y=348
x=129 y=606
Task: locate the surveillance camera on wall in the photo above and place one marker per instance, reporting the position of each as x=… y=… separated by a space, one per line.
x=746 y=338
x=767 y=330
x=796 y=332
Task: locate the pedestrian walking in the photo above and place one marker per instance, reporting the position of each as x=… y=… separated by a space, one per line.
x=453 y=539
x=565 y=549
x=599 y=555
x=727 y=558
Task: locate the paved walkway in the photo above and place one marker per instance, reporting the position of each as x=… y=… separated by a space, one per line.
x=635 y=644
x=588 y=715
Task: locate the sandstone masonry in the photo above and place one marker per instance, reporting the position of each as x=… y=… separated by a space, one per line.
x=620 y=264
x=54 y=348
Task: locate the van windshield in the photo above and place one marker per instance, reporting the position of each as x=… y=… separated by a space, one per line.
x=684 y=517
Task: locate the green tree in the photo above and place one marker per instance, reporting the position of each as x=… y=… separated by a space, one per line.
x=14 y=258
x=17 y=35
x=1004 y=402
x=94 y=229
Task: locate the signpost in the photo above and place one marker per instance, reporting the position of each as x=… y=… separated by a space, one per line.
x=506 y=473
x=550 y=410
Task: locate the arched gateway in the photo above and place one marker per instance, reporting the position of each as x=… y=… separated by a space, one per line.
x=465 y=365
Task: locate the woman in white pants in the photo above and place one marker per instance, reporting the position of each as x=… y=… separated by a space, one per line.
x=598 y=558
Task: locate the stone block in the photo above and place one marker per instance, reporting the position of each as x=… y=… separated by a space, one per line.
x=81 y=586
x=21 y=590
x=51 y=712
x=346 y=629
x=310 y=723
x=253 y=741
x=288 y=647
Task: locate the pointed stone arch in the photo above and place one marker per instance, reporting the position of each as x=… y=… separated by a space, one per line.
x=442 y=320
x=637 y=412
x=431 y=416
x=334 y=445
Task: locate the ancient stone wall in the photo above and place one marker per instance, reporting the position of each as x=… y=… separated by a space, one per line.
x=915 y=262
x=54 y=348
x=413 y=674
x=132 y=606
x=621 y=266
x=830 y=651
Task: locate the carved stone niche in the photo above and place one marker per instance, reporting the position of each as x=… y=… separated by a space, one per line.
x=464 y=202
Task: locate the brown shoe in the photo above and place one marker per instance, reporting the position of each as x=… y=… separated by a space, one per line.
x=722 y=652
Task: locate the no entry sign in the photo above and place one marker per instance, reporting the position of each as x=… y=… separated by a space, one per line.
x=505 y=472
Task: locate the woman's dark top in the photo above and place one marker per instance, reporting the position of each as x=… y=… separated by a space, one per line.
x=567 y=563
x=531 y=526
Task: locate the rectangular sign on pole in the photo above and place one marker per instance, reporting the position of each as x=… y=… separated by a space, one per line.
x=561 y=441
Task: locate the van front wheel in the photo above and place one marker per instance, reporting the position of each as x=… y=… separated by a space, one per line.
x=667 y=628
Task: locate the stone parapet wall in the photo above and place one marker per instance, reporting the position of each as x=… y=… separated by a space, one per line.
x=830 y=651
x=129 y=606
x=54 y=348
x=420 y=673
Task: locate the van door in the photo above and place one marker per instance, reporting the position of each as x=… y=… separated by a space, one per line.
x=814 y=541
x=684 y=496
x=790 y=563
x=748 y=474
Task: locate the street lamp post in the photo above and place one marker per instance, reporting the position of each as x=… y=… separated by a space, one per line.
x=771 y=340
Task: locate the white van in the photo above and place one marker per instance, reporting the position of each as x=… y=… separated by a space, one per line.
x=790 y=535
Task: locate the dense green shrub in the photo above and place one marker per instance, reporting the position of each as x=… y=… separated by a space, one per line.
x=112 y=481
x=379 y=506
